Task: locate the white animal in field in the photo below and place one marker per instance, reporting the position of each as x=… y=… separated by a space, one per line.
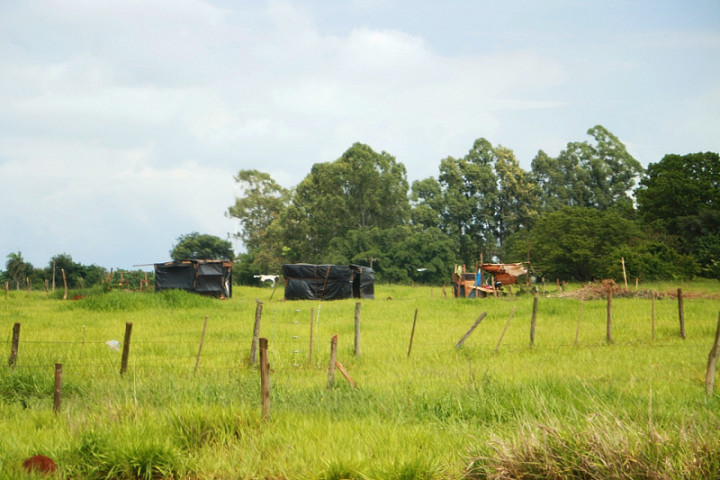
x=268 y=278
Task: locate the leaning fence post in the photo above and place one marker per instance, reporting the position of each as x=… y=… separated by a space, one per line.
x=681 y=313
x=256 y=331
x=62 y=270
x=58 y=388
x=577 y=330
x=533 y=319
x=126 y=348
x=264 y=378
x=712 y=361
x=202 y=340
x=412 y=333
x=357 y=329
x=467 y=334
x=505 y=329
x=14 y=345
x=333 y=359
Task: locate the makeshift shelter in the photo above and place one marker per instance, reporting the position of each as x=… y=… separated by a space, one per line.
x=207 y=277
x=489 y=278
x=328 y=282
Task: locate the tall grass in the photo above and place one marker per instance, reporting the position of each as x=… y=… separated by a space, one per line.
x=552 y=410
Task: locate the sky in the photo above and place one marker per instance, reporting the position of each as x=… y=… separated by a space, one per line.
x=122 y=124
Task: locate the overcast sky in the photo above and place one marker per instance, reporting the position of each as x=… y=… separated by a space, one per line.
x=122 y=123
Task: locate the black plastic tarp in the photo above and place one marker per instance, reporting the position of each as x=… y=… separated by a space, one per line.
x=208 y=277
x=305 y=281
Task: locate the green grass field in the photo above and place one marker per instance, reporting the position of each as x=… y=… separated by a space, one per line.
x=636 y=408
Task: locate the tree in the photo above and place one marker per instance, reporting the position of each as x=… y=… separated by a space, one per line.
x=195 y=246
x=680 y=196
x=463 y=200
x=517 y=200
x=17 y=268
x=361 y=190
x=76 y=274
x=598 y=175
x=583 y=243
x=262 y=203
x=479 y=200
x=574 y=242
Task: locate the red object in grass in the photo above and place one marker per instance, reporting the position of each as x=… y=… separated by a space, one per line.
x=39 y=463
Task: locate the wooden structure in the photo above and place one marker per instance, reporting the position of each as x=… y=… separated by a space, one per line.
x=487 y=280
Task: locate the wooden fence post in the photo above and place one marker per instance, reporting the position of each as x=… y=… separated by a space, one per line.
x=577 y=329
x=609 y=317
x=505 y=329
x=58 y=388
x=681 y=313
x=333 y=360
x=256 y=331
x=412 y=333
x=27 y=283
x=14 y=345
x=202 y=340
x=47 y=290
x=312 y=325
x=264 y=378
x=7 y=287
x=126 y=348
x=712 y=361
x=467 y=334
x=533 y=319
x=62 y=270
x=357 y=329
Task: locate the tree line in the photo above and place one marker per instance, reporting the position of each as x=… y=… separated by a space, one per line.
x=574 y=215
x=18 y=272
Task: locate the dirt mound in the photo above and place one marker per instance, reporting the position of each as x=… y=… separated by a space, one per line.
x=597 y=290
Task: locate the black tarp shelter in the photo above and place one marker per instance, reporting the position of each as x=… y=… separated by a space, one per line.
x=305 y=281
x=207 y=277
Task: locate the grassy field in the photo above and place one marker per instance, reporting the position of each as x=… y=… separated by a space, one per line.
x=636 y=408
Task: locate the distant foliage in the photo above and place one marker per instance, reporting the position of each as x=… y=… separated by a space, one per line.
x=574 y=211
x=196 y=246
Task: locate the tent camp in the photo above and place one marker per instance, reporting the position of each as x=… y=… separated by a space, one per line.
x=207 y=277
x=328 y=282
